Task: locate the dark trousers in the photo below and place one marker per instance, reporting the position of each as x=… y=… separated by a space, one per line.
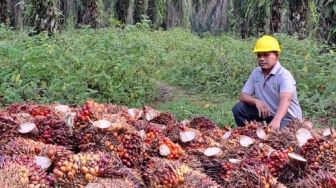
x=243 y=112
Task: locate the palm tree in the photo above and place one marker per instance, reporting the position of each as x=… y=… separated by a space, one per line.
x=327 y=24
x=276 y=8
x=139 y=10
x=3 y=11
x=42 y=15
x=68 y=7
x=298 y=10
x=152 y=11
x=209 y=16
x=122 y=9
x=91 y=13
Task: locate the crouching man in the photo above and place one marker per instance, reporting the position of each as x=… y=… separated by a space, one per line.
x=270 y=91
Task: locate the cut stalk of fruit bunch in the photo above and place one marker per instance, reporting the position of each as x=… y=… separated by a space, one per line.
x=187 y=136
x=102 y=124
x=297 y=160
x=63 y=109
x=164 y=150
x=28 y=127
x=235 y=161
x=261 y=134
x=302 y=136
x=43 y=162
x=227 y=135
x=149 y=113
x=245 y=141
x=134 y=114
x=212 y=151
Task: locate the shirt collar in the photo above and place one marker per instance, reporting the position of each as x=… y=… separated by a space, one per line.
x=275 y=69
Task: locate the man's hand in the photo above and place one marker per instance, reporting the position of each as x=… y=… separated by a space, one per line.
x=275 y=123
x=263 y=109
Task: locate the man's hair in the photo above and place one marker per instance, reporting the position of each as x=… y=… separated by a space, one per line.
x=276 y=53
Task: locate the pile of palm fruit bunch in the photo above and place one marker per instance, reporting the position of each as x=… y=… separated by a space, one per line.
x=107 y=145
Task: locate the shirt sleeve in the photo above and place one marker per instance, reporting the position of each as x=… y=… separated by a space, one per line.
x=287 y=82
x=249 y=85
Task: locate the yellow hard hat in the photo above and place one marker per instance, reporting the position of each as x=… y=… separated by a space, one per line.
x=267 y=44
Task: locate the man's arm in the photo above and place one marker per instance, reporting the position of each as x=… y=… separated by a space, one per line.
x=285 y=100
x=263 y=109
x=247 y=98
x=287 y=88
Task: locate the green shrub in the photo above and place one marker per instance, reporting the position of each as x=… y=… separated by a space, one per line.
x=73 y=66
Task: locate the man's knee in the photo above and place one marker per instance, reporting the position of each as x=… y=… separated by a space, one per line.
x=238 y=107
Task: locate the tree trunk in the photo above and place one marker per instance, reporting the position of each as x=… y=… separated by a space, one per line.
x=3 y=11
x=175 y=14
x=43 y=15
x=298 y=17
x=152 y=11
x=244 y=23
x=16 y=17
x=122 y=10
x=276 y=8
x=209 y=16
x=91 y=13
x=260 y=23
x=68 y=8
x=139 y=10
x=107 y=5
x=327 y=21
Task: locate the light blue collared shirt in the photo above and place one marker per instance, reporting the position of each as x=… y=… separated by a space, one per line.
x=268 y=89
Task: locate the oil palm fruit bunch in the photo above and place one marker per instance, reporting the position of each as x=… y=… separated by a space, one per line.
x=21 y=171
x=276 y=161
x=250 y=130
x=193 y=161
x=172 y=131
x=112 y=137
x=80 y=169
x=170 y=149
x=41 y=123
x=110 y=183
x=23 y=146
x=260 y=150
x=53 y=130
x=218 y=170
x=85 y=113
x=8 y=127
x=152 y=133
x=131 y=149
x=252 y=173
x=158 y=172
x=297 y=124
x=320 y=153
x=197 y=179
x=276 y=139
x=203 y=124
x=165 y=118
x=313 y=178
x=116 y=170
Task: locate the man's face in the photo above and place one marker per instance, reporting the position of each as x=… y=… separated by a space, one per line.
x=267 y=60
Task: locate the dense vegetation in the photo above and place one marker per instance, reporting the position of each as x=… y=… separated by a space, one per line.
x=244 y=18
x=123 y=66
